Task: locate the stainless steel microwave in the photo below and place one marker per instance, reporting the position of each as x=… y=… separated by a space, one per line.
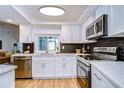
x=98 y=28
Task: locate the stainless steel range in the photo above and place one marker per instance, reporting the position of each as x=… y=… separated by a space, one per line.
x=100 y=54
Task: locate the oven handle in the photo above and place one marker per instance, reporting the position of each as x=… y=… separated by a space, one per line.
x=86 y=68
x=83 y=63
x=97 y=77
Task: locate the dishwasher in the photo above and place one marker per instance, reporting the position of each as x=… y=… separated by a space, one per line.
x=24 y=66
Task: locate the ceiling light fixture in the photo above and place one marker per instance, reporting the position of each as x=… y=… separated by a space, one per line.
x=9 y=20
x=52 y=10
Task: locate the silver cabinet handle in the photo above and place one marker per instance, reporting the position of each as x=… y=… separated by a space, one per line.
x=97 y=77
x=41 y=65
x=64 y=65
x=44 y=66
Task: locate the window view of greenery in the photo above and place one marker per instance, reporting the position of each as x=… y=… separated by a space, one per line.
x=49 y=43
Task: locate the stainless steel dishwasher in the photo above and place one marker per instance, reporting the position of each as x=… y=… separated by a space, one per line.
x=24 y=66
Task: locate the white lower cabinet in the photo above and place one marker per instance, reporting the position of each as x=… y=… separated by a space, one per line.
x=43 y=69
x=7 y=80
x=66 y=66
x=99 y=80
x=53 y=67
x=63 y=69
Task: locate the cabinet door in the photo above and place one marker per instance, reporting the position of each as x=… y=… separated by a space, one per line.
x=49 y=69
x=65 y=35
x=37 y=69
x=117 y=20
x=75 y=36
x=67 y=68
x=83 y=30
x=59 y=68
x=102 y=9
x=63 y=69
x=74 y=66
x=7 y=80
x=43 y=68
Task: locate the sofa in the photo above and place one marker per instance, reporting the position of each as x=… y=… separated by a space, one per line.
x=5 y=57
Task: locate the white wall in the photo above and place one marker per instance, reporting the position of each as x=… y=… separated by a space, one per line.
x=9 y=35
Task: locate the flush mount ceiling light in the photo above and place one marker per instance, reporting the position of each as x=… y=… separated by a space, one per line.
x=52 y=11
x=9 y=20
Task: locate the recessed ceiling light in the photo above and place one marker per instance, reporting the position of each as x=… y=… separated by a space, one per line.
x=9 y=20
x=52 y=11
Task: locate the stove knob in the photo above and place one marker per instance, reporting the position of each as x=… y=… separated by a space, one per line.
x=113 y=49
x=109 y=49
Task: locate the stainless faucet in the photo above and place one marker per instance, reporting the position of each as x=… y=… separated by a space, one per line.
x=46 y=51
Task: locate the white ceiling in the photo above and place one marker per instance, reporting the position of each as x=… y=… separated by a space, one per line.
x=30 y=14
x=7 y=12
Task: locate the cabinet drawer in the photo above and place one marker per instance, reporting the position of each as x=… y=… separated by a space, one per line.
x=64 y=58
x=43 y=58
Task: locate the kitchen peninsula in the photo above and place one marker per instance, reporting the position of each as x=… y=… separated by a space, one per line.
x=5 y=72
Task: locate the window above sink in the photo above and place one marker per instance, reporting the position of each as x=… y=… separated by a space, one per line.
x=47 y=44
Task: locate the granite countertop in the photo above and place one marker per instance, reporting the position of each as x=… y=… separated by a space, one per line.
x=6 y=68
x=113 y=71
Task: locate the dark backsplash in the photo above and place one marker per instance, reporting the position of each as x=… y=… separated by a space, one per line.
x=70 y=48
x=103 y=42
x=107 y=42
x=110 y=42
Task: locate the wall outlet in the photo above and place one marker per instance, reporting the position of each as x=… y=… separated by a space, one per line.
x=88 y=47
x=63 y=47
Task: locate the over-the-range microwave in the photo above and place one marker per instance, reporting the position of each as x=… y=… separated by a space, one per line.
x=98 y=28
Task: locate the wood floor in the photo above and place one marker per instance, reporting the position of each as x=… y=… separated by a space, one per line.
x=57 y=83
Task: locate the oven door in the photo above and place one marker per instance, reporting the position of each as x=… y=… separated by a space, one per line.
x=83 y=75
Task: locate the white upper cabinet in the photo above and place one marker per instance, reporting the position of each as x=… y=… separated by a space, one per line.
x=117 y=20
x=71 y=34
x=65 y=35
x=75 y=35
x=103 y=9
x=25 y=33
